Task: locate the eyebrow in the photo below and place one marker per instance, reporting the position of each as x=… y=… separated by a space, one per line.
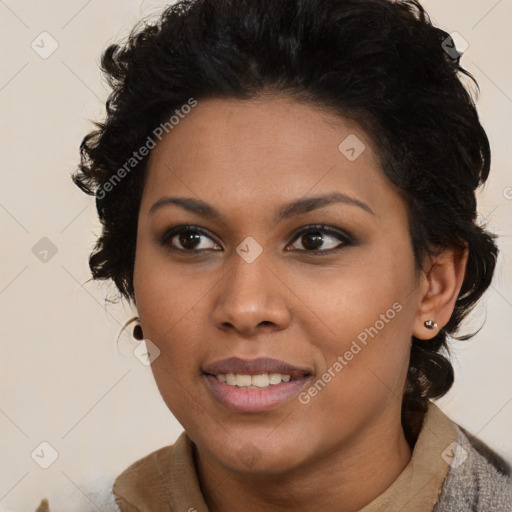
x=291 y=209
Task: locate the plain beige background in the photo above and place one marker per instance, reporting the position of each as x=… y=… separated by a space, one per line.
x=64 y=379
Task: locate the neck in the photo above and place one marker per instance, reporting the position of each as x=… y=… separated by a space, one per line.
x=348 y=478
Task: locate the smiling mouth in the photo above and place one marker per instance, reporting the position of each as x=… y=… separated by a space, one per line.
x=254 y=385
x=258 y=373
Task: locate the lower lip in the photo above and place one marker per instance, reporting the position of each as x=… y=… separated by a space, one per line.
x=254 y=400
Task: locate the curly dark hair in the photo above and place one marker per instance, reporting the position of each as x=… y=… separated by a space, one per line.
x=379 y=62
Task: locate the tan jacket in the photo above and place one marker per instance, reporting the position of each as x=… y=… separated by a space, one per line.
x=166 y=480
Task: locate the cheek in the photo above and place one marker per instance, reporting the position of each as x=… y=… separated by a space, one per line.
x=364 y=365
x=166 y=293
x=369 y=346
x=369 y=309
x=365 y=299
x=168 y=303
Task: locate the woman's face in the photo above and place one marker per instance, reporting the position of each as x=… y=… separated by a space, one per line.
x=277 y=283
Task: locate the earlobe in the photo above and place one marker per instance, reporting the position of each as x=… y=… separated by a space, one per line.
x=440 y=288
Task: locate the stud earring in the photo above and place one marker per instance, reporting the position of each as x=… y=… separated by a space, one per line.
x=430 y=324
x=137 y=332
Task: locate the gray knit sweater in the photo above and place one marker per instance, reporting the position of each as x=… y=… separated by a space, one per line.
x=481 y=483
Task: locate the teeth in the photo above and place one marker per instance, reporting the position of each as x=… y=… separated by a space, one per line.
x=243 y=381
x=260 y=381
x=274 y=378
x=263 y=380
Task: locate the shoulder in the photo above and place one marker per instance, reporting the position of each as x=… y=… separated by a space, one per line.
x=150 y=462
x=162 y=481
x=144 y=482
x=478 y=479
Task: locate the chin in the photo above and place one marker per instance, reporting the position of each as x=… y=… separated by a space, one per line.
x=258 y=454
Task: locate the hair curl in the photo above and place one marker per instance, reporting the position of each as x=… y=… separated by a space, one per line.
x=380 y=62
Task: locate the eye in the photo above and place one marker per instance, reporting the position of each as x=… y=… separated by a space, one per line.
x=314 y=237
x=187 y=238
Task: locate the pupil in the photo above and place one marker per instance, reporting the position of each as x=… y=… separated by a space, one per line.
x=186 y=237
x=312 y=240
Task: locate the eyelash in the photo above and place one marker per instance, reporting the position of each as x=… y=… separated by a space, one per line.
x=314 y=228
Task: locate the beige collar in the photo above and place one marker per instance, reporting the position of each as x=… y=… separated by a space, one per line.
x=166 y=480
x=419 y=485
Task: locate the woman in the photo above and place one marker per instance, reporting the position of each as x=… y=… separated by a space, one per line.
x=287 y=194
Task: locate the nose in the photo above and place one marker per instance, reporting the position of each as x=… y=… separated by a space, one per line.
x=251 y=298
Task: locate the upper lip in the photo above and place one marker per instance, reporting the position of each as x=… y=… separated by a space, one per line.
x=254 y=367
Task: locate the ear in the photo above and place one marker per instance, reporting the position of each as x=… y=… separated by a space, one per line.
x=439 y=287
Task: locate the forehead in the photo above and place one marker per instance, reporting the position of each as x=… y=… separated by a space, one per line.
x=264 y=151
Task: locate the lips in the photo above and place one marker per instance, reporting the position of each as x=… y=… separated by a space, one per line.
x=228 y=380
x=255 y=367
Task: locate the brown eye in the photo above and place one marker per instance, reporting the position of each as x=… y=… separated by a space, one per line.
x=188 y=239
x=321 y=239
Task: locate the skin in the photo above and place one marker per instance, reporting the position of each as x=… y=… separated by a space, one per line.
x=247 y=158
